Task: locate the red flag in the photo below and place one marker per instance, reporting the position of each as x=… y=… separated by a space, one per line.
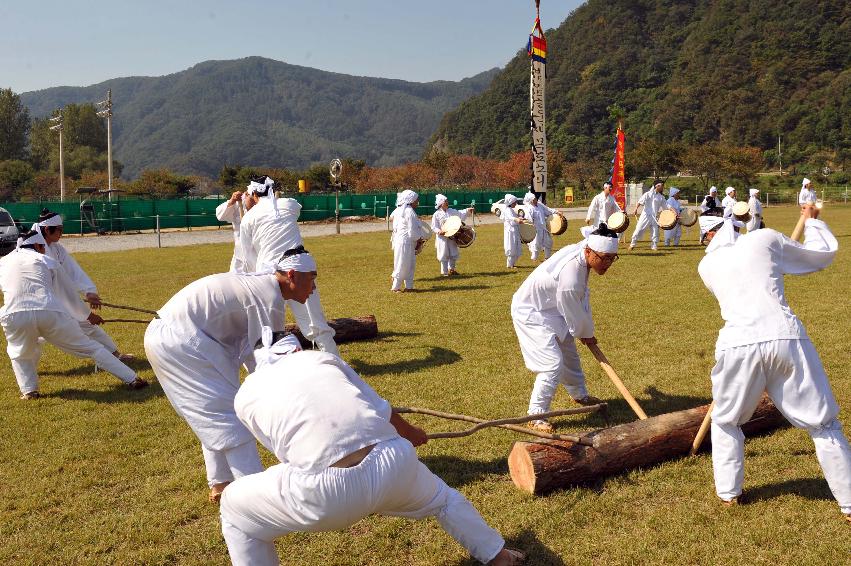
x=618 y=182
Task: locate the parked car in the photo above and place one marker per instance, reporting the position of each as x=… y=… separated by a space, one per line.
x=8 y=232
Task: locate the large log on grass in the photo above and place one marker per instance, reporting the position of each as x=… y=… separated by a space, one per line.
x=542 y=467
x=346 y=329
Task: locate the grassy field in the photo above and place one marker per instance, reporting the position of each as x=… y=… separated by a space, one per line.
x=96 y=474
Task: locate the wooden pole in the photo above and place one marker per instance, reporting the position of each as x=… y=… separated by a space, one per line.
x=607 y=367
x=701 y=432
x=538 y=467
x=799 y=228
x=126 y=308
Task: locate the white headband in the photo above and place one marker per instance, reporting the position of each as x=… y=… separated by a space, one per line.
x=303 y=263
x=805 y=182
x=269 y=353
x=406 y=197
x=55 y=220
x=754 y=191
x=510 y=199
x=603 y=244
x=36 y=238
x=729 y=190
x=254 y=187
x=439 y=200
x=713 y=189
x=529 y=197
x=673 y=191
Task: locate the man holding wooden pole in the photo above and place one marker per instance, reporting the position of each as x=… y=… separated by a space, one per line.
x=551 y=309
x=763 y=347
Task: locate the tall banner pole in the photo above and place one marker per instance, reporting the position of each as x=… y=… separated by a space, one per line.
x=537 y=50
x=618 y=178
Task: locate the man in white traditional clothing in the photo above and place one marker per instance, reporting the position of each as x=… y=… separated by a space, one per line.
x=710 y=201
x=39 y=300
x=763 y=347
x=651 y=203
x=51 y=227
x=755 y=209
x=204 y=333
x=729 y=201
x=344 y=454
x=407 y=233
x=807 y=194
x=267 y=230
x=551 y=309
x=232 y=211
x=673 y=235
x=511 y=243
x=602 y=206
x=538 y=213
x=447 y=249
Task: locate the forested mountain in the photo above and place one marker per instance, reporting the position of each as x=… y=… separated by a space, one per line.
x=264 y=113
x=735 y=71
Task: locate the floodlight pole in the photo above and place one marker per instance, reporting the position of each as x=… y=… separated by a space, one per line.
x=336 y=170
x=58 y=128
x=107 y=112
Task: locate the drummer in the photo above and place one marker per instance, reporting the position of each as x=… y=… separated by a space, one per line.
x=755 y=209
x=651 y=204
x=447 y=249
x=538 y=214
x=602 y=206
x=710 y=201
x=729 y=201
x=511 y=232
x=673 y=235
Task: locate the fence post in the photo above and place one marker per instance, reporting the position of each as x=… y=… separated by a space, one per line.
x=387 y=217
x=159 y=236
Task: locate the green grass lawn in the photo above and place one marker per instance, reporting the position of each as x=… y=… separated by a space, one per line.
x=96 y=474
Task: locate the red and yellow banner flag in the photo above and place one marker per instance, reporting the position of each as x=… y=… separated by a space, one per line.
x=618 y=178
x=537 y=49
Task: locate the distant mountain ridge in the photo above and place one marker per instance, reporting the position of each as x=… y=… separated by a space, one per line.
x=265 y=113
x=737 y=71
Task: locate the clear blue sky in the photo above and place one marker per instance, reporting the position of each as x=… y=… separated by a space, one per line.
x=46 y=43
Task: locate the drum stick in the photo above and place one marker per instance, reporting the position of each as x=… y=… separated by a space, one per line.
x=123 y=307
x=701 y=432
x=607 y=367
x=126 y=320
x=241 y=209
x=509 y=423
x=799 y=227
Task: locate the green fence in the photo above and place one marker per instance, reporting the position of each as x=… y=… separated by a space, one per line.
x=133 y=215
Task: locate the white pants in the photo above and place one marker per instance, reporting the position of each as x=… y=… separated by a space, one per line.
x=404 y=263
x=447 y=253
x=645 y=222
x=753 y=223
x=226 y=465
x=554 y=360
x=790 y=371
x=200 y=380
x=98 y=334
x=673 y=236
x=512 y=246
x=390 y=481
x=23 y=329
x=543 y=242
x=312 y=323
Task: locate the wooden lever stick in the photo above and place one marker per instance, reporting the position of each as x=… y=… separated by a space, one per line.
x=607 y=367
x=126 y=308
x=701 y=432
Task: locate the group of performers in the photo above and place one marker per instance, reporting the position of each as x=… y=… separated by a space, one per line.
x=344 y=453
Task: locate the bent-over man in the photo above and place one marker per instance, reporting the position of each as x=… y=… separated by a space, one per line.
x=551 y=309
x=763 y=347
x=39 y=301
x=204 y=333
x=344 y=454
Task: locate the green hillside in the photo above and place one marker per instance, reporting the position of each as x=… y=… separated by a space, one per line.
x=736 y=71
x=265 y=113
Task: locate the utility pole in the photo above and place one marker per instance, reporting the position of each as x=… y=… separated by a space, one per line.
x=58 y=127
x=779 y=156
x=336 y=170
x=107 y=113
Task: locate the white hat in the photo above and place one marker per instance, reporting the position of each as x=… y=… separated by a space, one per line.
x=296 y=259
x=673 y=191
x=268 y=353
x=406 y=197
x=439 y=200
x=805 y=182
x=713 y=189
x=529 y=197
x=754 y=192
x=510 y=200
x=729 y=190
x=604 y=244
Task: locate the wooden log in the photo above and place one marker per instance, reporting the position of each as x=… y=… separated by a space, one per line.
x=347 y=329
x=542 y=467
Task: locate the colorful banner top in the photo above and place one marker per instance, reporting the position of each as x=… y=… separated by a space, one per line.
x=618 y=180
x=537 y=48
